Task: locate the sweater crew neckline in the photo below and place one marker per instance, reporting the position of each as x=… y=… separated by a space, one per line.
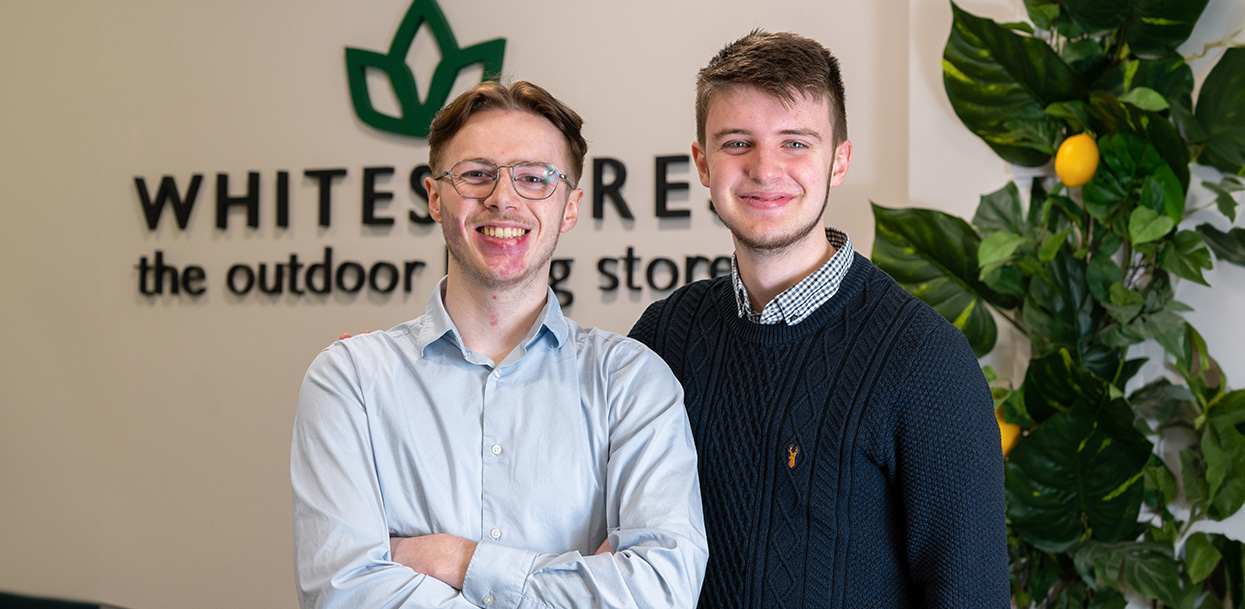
x=829 y=313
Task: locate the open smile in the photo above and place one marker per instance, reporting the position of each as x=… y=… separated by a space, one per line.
x=502 y=232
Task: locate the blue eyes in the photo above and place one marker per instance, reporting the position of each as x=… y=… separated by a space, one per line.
x=740 y=145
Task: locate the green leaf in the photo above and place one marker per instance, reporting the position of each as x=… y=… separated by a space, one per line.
x=1087 y=57
x=1161 y=487
x=1081 y=467
x=1171 y=77
x=1148 y=567
x=997 y=249
x=998 y=81
x=1229 y=246
x=1201 y=557
x=1160 y=400
x=1058 y=310
x=1151 y=570
x=1193 y=478
x=1042 y=13
x=1124 y=303
x=1069 y=209
x=1007 y=280
x=1110 y=115
x=1223 y=197
x=933 y=255
x=1127 y=163
x=1054 y=384
x=1100 y=273
x=1000 y=211
x=1223 y=447
x=1107 y=598
x=1158 y=292
x=1097 y=16
x=1146 y=99
x=1146 y=225
x=1221 y=113
x=1155 y=28
x=1186 y=256
x=1051 y=244
x=1229 y=408
x=1076 y=113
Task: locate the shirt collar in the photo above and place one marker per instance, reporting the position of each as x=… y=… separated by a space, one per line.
x=799 y=301
x=549 y=323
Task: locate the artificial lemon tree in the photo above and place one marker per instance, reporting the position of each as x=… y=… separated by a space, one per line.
x=1085 y=271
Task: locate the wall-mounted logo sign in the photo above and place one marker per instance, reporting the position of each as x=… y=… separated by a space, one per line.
x=416 y=116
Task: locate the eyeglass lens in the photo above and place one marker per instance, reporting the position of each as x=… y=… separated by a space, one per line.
x=476 y=179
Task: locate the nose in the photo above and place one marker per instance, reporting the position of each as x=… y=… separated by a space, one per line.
x=505 y=193
x=765 y=165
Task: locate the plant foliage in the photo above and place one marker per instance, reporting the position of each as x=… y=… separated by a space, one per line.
x=1086 y=274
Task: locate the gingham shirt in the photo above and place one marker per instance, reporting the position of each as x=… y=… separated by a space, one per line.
x=800 y=300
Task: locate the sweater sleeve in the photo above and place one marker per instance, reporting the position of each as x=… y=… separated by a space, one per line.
x=949 y=473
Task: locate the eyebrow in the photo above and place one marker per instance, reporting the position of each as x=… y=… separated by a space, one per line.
x=810 y=133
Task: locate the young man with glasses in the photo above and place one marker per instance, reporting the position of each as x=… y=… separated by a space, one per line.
x=492 y=452
x=849 y=456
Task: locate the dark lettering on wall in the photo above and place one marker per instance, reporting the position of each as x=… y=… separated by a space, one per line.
x=663 y=188
x=417 y=186
x=324 y=178
x=168 y=194
x=283 y=199
x=371 y=196
x=613 y=190
x=559 y=272
x=153 y=276
x=250 y=200
x=660 y=274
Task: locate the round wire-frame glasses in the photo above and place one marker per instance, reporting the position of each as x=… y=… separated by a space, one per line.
x=477 y=178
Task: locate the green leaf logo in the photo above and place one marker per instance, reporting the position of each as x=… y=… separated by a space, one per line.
x=415 y=116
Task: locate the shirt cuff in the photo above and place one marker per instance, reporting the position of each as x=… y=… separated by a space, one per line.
x=496 y=575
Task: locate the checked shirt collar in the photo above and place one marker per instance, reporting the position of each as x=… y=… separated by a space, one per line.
x=799 y=301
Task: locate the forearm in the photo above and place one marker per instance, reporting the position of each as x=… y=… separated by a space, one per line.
x=665 y=570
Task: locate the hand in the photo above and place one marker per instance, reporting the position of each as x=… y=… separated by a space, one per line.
x=440 y=555
x=605 y=548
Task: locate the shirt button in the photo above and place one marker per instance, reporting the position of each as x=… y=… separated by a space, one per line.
x=497 y=374
x=496 y=449
x=495 y=533
x=488 y=599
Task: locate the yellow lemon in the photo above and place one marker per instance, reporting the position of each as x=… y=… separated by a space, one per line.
x=1009 y=431
x=1077 y=160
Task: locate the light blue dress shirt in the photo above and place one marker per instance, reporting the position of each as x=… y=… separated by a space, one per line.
x=576 y=435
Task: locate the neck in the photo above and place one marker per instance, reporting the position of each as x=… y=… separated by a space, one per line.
x=492 y=320
x=767 y=273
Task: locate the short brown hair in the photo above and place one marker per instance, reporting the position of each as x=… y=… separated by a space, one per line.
x=523 y=96
x=783 y=65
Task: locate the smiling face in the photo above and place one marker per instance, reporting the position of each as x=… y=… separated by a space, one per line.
x=504 y=240
x=769 y=167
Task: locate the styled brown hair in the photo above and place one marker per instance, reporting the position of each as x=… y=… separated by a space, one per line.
x=523 y=96
x=784 y=65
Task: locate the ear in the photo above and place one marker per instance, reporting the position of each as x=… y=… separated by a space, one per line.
x=842 y=160
x=702 y=162
x=434 y=199
x=570 y=215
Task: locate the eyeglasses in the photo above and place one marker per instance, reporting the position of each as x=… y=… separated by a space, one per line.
x=476 y=179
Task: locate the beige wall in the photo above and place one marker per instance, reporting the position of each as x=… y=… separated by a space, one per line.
x=144 y=442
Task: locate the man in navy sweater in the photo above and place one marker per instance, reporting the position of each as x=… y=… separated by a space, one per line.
x=848 y=453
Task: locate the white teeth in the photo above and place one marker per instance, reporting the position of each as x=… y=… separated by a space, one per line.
x=498 y=232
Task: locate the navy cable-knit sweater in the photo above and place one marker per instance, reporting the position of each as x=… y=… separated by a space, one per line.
x=849 y=461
